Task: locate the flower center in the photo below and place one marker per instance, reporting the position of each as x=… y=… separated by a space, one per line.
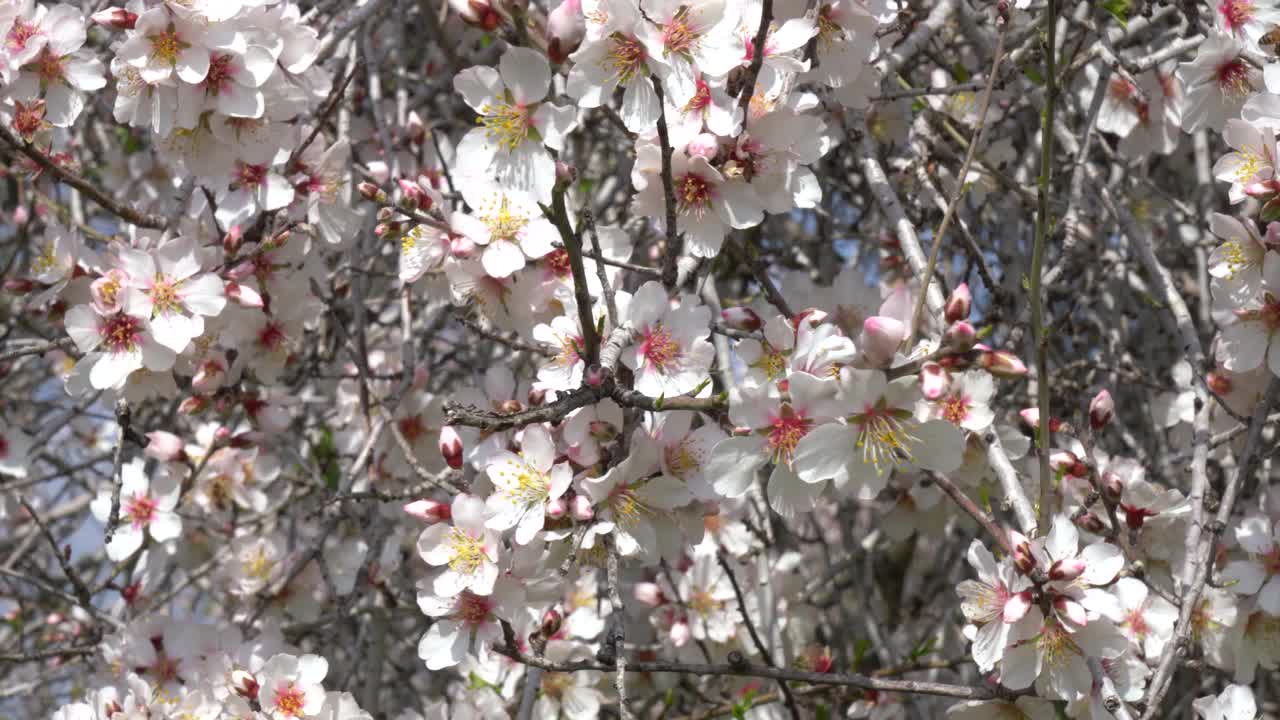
x=626 y=58
x=50 y=67
x=678 y=37
x=505 y=123
x=290 y=700
x=167 y=46
x=221 y=72
x=164 y=296
x=1250 y=163
x=122 y=333
x=468 y=552
x=1136 y=621
x=558 y=263
x=271 y=336
x=703 y=603
x=141 y=510
x=693 y=194
x=627 y=509
x=251 y=175
x=1056 y=646
x=884 y=437
x=19 y=34
x=829 y=31
x=530 y=486
x=659 y=349
x=785 y=433
x=472 y=608
x=1236 y=14
x=504 y=223
x=771 y=361
x=955 y=409
x=682 y=460
x=260 y=565
x=1121 y=89
x=701 y=99
x=1233 y=78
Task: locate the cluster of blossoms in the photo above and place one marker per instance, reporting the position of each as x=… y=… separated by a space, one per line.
x=169 y=668
x=642 y=471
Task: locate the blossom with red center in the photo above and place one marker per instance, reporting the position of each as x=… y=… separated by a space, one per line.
x=114 y=346
x=1258 y=573
x=466 y=623
x=672 y=354
x=966 y=402
x=289 y=686
x=147 y=507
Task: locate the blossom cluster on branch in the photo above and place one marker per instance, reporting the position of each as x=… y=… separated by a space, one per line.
x=639 y=359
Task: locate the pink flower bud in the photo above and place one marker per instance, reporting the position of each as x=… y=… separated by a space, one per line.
x=1112 y=486
x=934 y=381
x=243 y=295
x=595 y=376
x=1263 y=189
x=19 y=286
x=556 y=508
x=115 y=18
x=1003 y=364
x=244 y=684
x=21 y=215
x=242 y=271
x=1067 y=570
x=1101 y=408
x=413 y=197
x=650 y=594
x=705 y=146
x=1023 y=557
x=582 y=509
x=429 y=511
x=959 y=304
x=165 y=447
x=741 y=318
x=880 y=339
x=1218 y=382
x=551 y=621
x=479 y=13
x=1063 y=461
x=415 y=129
x=1030 y=416
x=961 y=336
x=451 y=446
x=1089 y=523
x=565 y=173
x=565 y=29
x=371 y=192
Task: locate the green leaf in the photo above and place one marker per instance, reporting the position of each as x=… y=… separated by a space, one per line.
x=823 y=713
x=960 y=73
x=860 y=649
x=662 y=399
x=1033 y=74
x=985 y=331
x=928 y=647
x=1119 y=10
x=324 y=452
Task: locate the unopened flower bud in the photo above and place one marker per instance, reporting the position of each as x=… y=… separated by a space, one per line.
x=741 y=318
x=1101 y=408
x=551 y=622
x=412 y=197
x=959 y=304
x=1071 y=610
x=451 y=447
x=1023 y=558
x=243 y=295
x=1067 y=569
x=595 y=376
x=244 y=684
x=115 y=18
x=650 y=594
x=582 y=509
x=960 y=337
x=556 y=508
x=934 y=381
x=165 y=447
x=1112 y=486
x=479 y=13
x=19 y=286
x=536 y=396
x=566 y=27
x=1003 y=364
x=415 y=129
x=565 y=174
x=1218 y=382
x=371 y=192
x=602 y=431
x=429 y=511
x=1264 y=189
x=232 y=241
x=880 y=339
x=1089 y=523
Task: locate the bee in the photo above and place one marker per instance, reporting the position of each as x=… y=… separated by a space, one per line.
x=1271 y=40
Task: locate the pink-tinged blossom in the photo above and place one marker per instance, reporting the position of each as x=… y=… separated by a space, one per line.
x=516 y=126
x=525 y=484
x=670 y=354
x=1236 y=265
x=61 y=72
x=1218 y=83
x=618 y=56
x=1076 y=576
x=707 y=204
x=466 y=624
x=114 y=346
x=167 y=288
x=1258 y=574
x=776 y=428
x=1146 y=618
x=635 y=504
x=1252 y=159
x=509 y=228
x=965 y=402
x=290 y=686
x=1044 y=652
x=692 y=38
x=880 y=434
x=164 y=46
x=1252 y=336
x=467 y=550
x=1000 y=597
x=146 y=508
